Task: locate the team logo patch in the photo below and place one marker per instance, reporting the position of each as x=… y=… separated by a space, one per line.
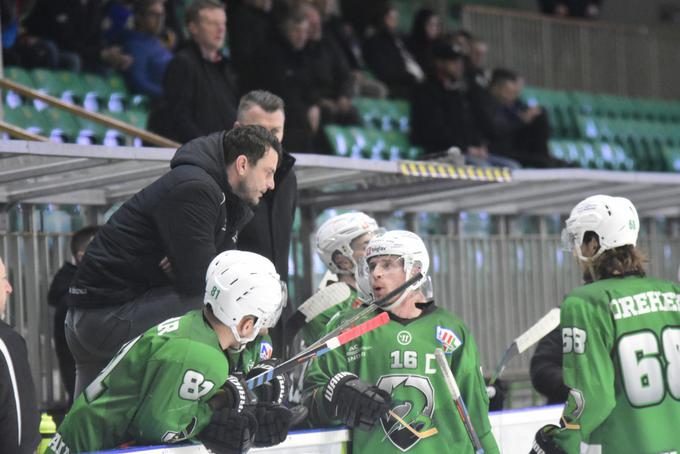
x=448 y=339
x=404 y=337
x=266 y=350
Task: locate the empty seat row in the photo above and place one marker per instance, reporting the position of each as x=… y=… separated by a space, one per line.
x=369 y=143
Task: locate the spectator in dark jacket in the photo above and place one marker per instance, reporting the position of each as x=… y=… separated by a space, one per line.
x=182 y=221
x=425 y=33
x=250 y=23
x=286 y=70
x=330 y=73
x=546 y=368
x=57 y=297
x=341 y=32
x=19 y=415
x=388 y=58
x=77 y=26
x=200 y=94
x=512 y=128
x=269 y=232
x=149 y=56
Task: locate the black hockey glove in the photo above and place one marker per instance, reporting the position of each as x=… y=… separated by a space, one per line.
x=229 y=432
x=273 y=391
x=544 y=444
x=273 y=422
x=354 y=402
x=233 y=394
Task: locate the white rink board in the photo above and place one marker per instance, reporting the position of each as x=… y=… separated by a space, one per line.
x=514 y=431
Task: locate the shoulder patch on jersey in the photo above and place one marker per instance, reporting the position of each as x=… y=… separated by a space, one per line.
x=448 y=339
x=266 y=350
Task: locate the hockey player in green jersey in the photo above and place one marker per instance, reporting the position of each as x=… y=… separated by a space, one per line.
x=172 y=383
x=621 y=342
x=394 y=368
x=340 y=243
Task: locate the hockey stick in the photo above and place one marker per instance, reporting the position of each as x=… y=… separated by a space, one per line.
x=424 y=434
x=458 y=399
x=538 y=331
x=364 y=312
x=322 y=300
x=322 y=349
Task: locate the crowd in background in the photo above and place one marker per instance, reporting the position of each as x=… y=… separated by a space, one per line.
x=194 y=59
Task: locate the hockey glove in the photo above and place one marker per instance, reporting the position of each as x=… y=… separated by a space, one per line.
x=273 y=391
x=229 y=432
x=544 y=444
x=354 y=402
x=273 y=422
x=233 y=394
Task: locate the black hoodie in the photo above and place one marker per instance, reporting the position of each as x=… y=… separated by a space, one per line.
x=190 y=214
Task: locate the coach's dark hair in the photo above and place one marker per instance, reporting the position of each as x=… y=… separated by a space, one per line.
x=82 y=238
x=251 y=141
x=140 y=7
x=194 y=9
x=267 y=101
x=624 y=260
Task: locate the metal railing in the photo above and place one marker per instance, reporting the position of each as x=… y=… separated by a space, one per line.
x=105 y=120
x=498 y=285
x=579 y=55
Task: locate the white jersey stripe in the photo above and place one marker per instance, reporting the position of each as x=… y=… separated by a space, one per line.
x=13 y=378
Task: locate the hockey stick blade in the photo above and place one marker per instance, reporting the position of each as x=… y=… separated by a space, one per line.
x=316 y=304
x=311 y=353
x=538 y=331
x=364 y=312
x=458 y=399
x=424 y=434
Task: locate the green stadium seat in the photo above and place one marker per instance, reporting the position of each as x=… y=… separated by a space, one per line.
x=341 y=142
x=20 y=76
x=63 y=124
x=29 y=118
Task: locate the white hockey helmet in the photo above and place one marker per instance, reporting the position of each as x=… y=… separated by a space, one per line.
x=407 y=246
x=240 y=283
x=337 y=233
x=613 y=219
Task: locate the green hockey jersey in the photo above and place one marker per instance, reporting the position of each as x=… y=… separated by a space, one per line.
x=316 y=327
x=399 y=358
x=155 y=390
x=621 y=343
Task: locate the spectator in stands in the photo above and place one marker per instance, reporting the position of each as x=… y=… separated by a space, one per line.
x=269 y=232
x=19 y=48
x=250 y=22
x=585 y=9
x=512 y=128
x=441 y=117
x=343 y=34
x=148 y=262
x=425 y=33
x=546 y=368
x=388 y=58
x=150 y=56
x=57 y=297
x=18 y=409
x=331 y=75
x=77 y=26
x=286 y=70
x=199 y=87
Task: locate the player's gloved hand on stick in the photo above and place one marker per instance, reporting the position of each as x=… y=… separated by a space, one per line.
x=356 y=403
x=229 y=431
x=544 y=444
x=233 y=394
x=273 y=421
x=273 y=391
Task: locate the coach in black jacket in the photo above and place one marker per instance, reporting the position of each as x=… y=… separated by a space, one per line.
x=19 y=417
x=183 y=219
